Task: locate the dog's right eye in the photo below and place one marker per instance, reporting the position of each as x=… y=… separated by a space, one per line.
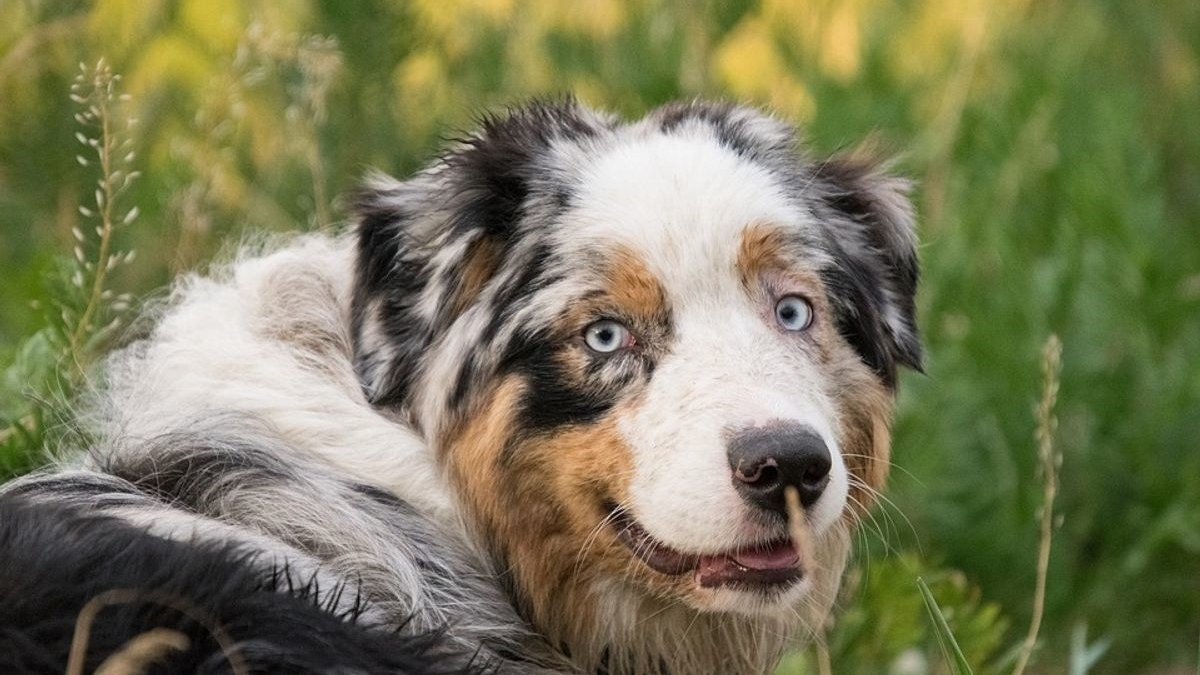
x=607 y=336
x=794 y=313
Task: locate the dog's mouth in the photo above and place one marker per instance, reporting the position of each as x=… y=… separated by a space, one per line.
x=763 y=567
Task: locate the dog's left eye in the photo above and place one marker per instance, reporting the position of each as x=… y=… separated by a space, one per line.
x=793 y=313
x=607 y=336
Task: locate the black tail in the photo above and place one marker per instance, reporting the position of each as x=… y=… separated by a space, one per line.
x=220 y=613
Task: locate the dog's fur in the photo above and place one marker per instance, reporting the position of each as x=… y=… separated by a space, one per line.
x=398 y=443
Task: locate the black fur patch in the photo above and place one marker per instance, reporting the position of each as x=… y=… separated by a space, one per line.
x=496 y=169
x=90 y=488
x=186 y=471
x=876 y=273
x=484 y=187
x=857 y=317
x=717 y=116
x=389 y=273
x=553 y=398
x=463 y=382
x=532 y=278
x=726 y=121
x=55 y=559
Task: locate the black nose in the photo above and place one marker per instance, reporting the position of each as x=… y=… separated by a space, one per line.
x=767 y=459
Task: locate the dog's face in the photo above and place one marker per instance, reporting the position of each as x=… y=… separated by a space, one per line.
x=626 y=340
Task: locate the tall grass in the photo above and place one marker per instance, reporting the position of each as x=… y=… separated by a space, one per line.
x=1050 y=462
x=82 y=313
x=91 y=318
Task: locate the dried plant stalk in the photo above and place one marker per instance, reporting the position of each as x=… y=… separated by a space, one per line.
x=802 y=540
x=144 y=651
x=824 y=664
x=108 y=136
x=77 y=657
x=798 y=528
x=1049 y=462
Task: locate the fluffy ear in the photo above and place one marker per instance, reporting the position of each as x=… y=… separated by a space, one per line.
x=872 y=230
x=428 y=246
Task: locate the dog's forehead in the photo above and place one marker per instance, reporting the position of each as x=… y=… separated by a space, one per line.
x=681 y=202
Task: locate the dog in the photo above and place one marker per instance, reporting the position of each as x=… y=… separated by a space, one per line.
x=540 y=411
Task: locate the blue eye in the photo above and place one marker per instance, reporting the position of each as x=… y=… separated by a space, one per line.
x=607 y=336
x=793 y=313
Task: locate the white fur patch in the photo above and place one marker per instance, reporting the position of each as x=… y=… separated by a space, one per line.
x=683 y=203
x=268 y=338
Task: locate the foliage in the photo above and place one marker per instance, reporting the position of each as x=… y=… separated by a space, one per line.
x=1053 y=144
x=82 y=313
x=946 y=640
x=884 y=627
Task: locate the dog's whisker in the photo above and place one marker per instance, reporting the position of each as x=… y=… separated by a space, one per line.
x=888 y=462
x=606 y=521
x=887 y=506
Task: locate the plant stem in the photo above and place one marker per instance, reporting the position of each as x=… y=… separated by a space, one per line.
x=1051 y=364
x=106 y=222
x=824 y=664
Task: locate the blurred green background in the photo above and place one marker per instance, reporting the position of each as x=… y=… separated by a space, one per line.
x=1055 y=143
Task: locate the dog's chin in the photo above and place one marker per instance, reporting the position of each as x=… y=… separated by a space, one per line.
x=762 y=578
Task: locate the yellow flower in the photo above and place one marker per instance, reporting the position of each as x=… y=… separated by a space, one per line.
x=597 y=19
x=827 y=32
x=122 y=26
x=218 y=23
x=751 y=67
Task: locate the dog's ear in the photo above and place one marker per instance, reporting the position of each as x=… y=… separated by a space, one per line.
x=870 y=223
x=429 y=245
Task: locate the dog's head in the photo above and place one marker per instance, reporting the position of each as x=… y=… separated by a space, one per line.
x=626 y=340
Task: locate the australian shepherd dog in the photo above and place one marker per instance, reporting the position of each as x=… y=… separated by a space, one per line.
x=542 y=410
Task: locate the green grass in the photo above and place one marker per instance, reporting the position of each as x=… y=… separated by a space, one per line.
x=1057 y=158
x=945 y=637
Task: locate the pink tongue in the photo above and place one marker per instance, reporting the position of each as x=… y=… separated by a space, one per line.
x=771 y=566
x=777 y=557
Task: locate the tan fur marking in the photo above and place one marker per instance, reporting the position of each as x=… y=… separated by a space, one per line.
x=761 y=251
x=540 y=509
x=768 y=271
x=480 y=263
x=632 y=287
x=865 y=407
x=630 y=294
x=543 y=514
